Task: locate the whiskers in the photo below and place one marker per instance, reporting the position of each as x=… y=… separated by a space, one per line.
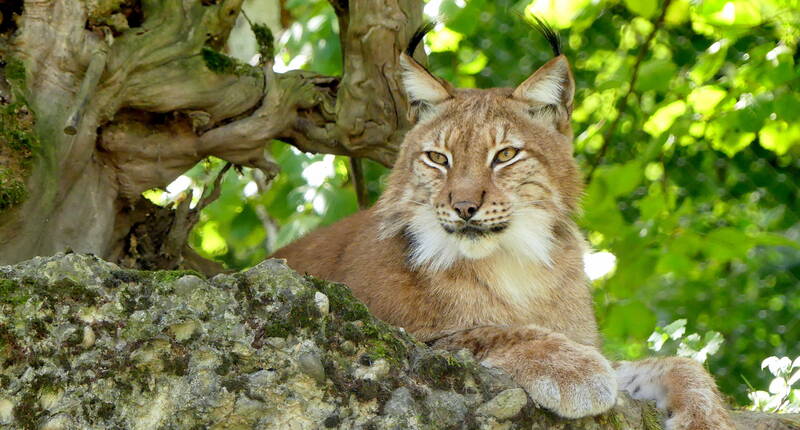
x=524 y=203
x=423 y=204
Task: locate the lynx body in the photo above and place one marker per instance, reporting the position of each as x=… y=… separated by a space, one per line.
x=473 y=245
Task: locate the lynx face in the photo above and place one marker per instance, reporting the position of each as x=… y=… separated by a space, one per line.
x=483 y=171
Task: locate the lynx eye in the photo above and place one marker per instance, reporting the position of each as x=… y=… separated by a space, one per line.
x=437 y=157
x=505 y=154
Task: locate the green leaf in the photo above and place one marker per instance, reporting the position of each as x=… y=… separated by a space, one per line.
x=624 y=178
x=677 y=13
x=244 y=223
x=733 y=142
x=706 y=98
x=561 y=14
x=473 y=64
x=444 y=40
x=737 y=12
x=645 y=8
x=709 y=62
x=774 y=239
x=676 y=329
x=656 y=341
x=664 y=117
x=656 y=75
x=779 y=136
x=787 y=106
x=728 y=243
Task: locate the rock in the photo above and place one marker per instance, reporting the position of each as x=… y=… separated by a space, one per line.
x=310 y=362
x=446 y=408
x=86 y=344
x=322 y=302
x=400 y=403
x=505 y=405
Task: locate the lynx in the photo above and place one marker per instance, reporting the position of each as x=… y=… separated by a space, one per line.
x=473 y=245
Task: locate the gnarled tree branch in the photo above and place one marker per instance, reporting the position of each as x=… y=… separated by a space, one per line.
x=124 y=111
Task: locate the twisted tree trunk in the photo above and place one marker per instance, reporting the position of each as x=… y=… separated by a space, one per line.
x=129 y=94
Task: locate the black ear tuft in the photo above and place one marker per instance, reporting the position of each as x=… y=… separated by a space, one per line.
x=548 y=32
x=424 y=29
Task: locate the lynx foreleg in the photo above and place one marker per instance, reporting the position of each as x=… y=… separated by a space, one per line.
x=681 y=386
x=571 y=379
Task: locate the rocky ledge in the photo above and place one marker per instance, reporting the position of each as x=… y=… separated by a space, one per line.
x=85 y=344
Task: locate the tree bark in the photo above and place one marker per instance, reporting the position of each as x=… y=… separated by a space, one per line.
x=128 y=98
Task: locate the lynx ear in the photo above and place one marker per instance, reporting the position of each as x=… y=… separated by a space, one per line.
x=424 y=90
x=549 y=87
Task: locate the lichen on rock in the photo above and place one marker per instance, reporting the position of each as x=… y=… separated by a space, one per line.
x=85 y=344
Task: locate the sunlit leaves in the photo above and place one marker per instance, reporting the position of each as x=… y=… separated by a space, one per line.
x=782 y=395
x=311 y=41
x=472 y=62
x=731 y=12
x=210 y=241
x=779 y=136
x=677 y=13
x=645 y=8
x=560 y=14
x=443 y=39
x=693 y=346
x=664 y=117
x=706 y=98
x=673 y=330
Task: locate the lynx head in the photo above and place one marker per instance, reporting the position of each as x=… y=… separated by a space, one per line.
x=483 y=171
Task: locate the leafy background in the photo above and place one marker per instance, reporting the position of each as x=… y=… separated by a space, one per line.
x=692 y=196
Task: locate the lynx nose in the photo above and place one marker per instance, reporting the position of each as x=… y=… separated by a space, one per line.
x=466 y=210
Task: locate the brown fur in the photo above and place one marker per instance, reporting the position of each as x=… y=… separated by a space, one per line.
x=518 y=297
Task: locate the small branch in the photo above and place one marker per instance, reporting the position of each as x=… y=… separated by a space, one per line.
x=291 y=100
x=622 y=103
x=359 y=182
x=270 y=227
x=214 y=194
x=182 y=223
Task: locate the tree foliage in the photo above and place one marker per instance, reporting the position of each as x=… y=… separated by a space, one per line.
x=686 y=125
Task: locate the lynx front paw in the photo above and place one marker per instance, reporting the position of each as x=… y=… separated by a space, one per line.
x=572 y=396
x=569 y=379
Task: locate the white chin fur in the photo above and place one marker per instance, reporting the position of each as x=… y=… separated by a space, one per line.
x=528 y=238
x=477 y=248
x=432 y=246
